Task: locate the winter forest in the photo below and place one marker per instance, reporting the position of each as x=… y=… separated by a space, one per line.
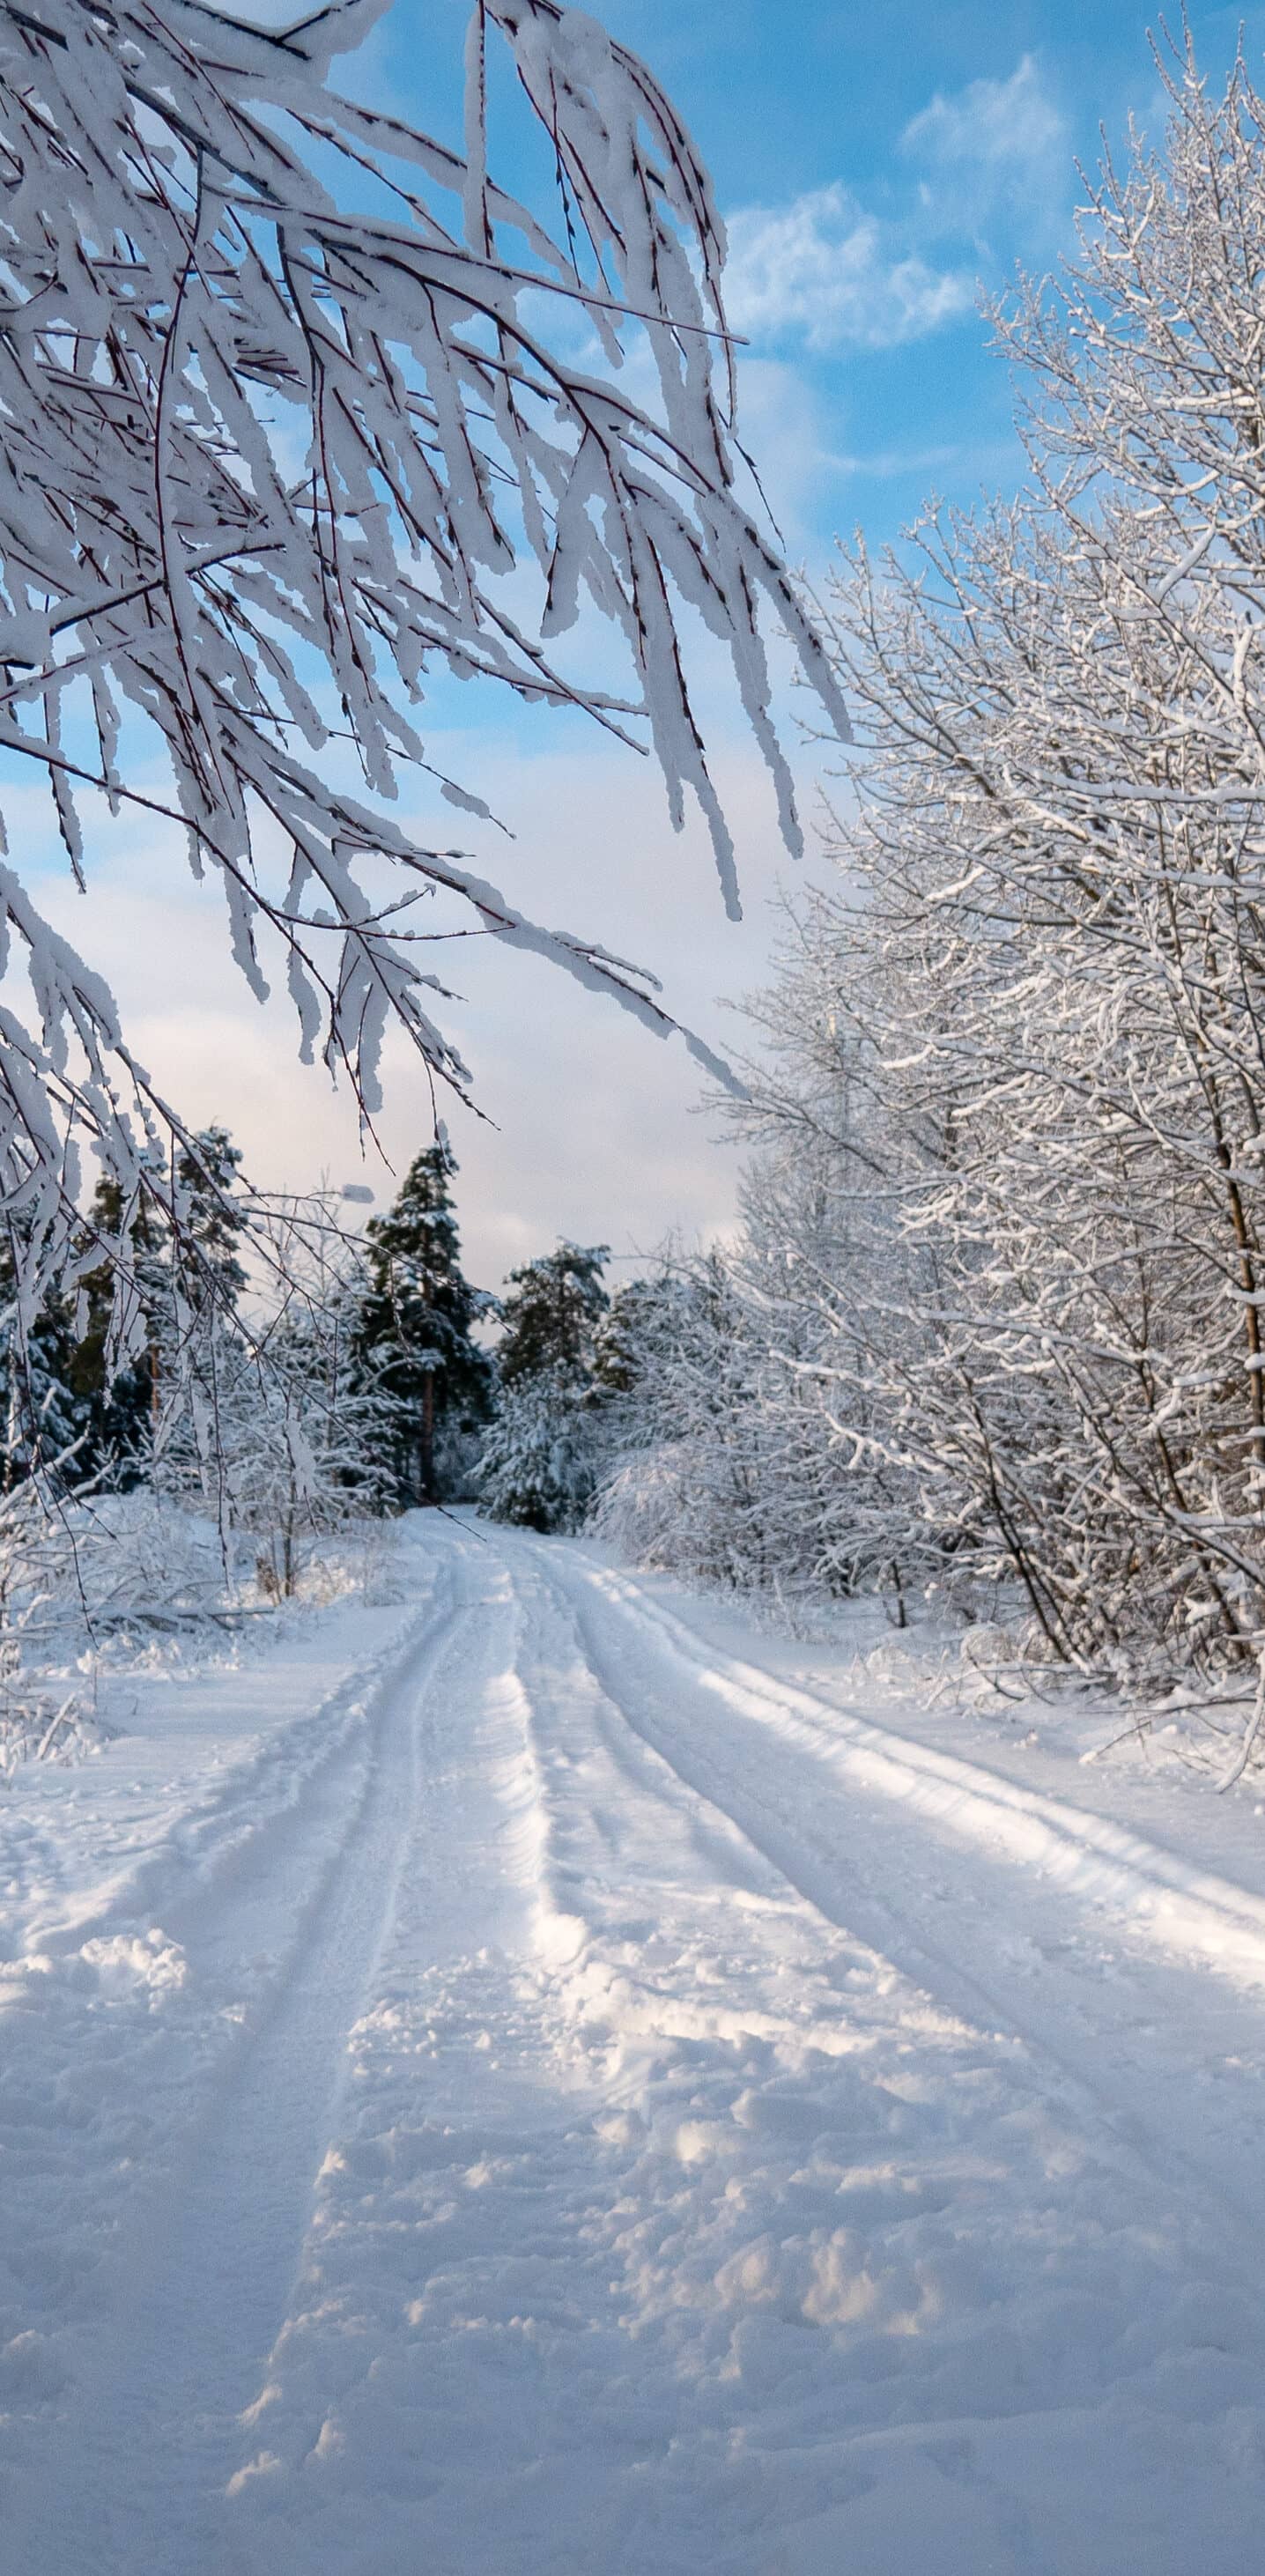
x=633 y=1922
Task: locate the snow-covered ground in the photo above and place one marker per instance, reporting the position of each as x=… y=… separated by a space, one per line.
x=546 y=2078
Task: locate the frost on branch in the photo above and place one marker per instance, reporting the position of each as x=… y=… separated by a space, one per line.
x=274 y=443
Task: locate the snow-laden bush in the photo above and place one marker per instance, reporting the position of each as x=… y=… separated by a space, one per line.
x=274 y=1420
x=723 y=1461
x=539 y=1463
x=90 y=1583
x=256 y=1474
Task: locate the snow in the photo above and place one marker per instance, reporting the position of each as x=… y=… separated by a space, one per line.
x=546 y=2077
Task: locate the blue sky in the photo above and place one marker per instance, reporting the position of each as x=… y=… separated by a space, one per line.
x=877 y=163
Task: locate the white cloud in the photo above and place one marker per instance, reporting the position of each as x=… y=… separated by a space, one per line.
x=995 y=142
x=991 y=121
x=828 y=270
x=824 y=268
x=888 y=464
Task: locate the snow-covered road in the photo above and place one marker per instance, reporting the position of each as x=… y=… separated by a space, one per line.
x=541 y=2093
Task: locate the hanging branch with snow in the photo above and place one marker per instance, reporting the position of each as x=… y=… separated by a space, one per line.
x=270 y=458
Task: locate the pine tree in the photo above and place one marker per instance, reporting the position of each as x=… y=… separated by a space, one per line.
x=207 y=1269
x=415 y=1330
x=628 y=1333
x=552 y=1315
x=196 y=1353
x=539 y=1466
x=43 y=1418
x=118 y=1402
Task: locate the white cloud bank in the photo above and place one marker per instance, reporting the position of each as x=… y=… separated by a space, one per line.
x=990 y=124
x=826 y=270
x=823 y=268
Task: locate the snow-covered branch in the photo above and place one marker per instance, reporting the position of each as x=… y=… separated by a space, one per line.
x=299 y=407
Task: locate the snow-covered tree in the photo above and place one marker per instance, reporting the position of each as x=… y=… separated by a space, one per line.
x=538 y=1466
x=551 y=1314
x=301 y=407
x=273 y=1419
x=540 y=1463
x=123 y=1252
x=318 y=1433
x=42 y=1434
x=718 y=1460
x=1001 y=1276
x=207 y=1223
x=1060 y=833
x=414 y=1331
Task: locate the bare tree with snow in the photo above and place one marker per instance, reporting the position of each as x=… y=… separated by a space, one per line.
x=1007 y=1220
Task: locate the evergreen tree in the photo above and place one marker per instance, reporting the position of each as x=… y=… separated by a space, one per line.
x=176 y=1280
x=118 y=1402
x=539 y=1466
x=207 y=1268
x=552 y=1315
x=173 y=1280
x=415 y=1329
x=627 y=1333
x=43 y=1417
x=196 y=1351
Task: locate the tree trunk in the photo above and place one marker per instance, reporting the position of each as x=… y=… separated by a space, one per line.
x=429 y=1494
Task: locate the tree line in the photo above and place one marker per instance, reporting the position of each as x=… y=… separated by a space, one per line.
x=268 y=1365
x=994 y=1320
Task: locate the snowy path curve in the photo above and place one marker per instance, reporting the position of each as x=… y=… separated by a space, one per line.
x=603 y=2108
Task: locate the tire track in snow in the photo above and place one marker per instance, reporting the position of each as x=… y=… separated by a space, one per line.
x=262 y=1789
x=157 y=2409
x=1180 y=1907
x=463 y=2077
x=644 y=2251
x=516 y=2288
x=513 y=2318
x=813 y=1843
x=493 y=2248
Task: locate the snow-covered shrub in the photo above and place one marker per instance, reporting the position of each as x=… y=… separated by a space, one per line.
x=35 y=1720
x=89 y=1581
x=685 y=1486
x=724 y=1462
x=539 y=1463
x=276 y=1422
